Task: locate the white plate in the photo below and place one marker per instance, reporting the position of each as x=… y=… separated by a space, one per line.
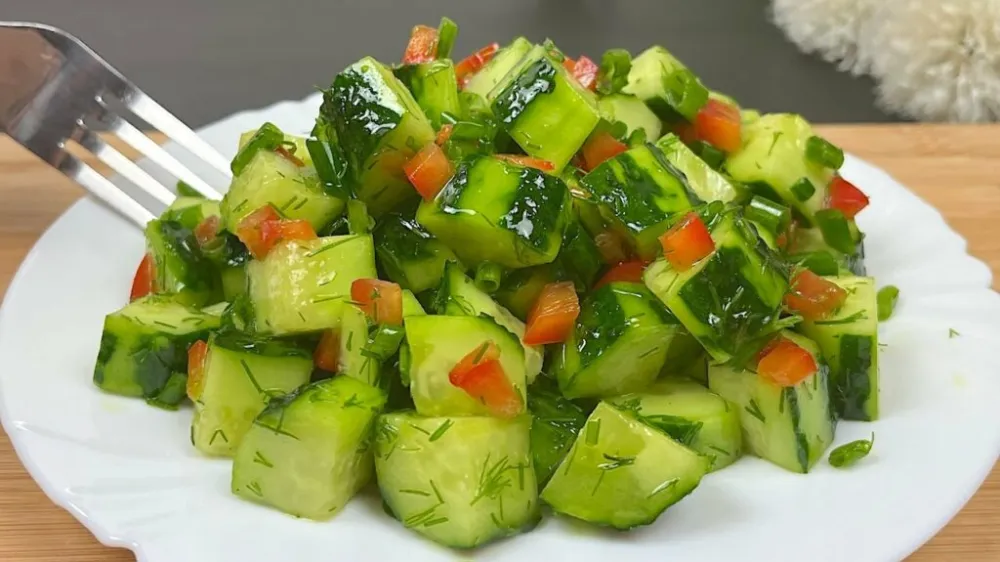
x=128 y=472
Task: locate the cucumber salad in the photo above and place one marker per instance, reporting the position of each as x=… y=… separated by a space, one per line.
x=516 y=284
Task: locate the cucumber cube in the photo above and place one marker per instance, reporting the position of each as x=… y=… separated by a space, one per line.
x=692 y=415
x=639 y=191
x=366 y=347
x=483 y=82
x=190 y=211
x=544 y=109
x=555 y=425
x=622 y=473
x=849 y=341
x=380 y=126
x=179 y=267
x=461 y=482
x=437 y=343
x=668 y=87
x=619 y=344
x=492 y=210
x=302 y=286
x=434 y=87
x=410 y=255
x=309 y=452
x=144 y=348
x=240 y=376
x=631 y=111
x=788 y=426
x=730 y=299
x=708 y=184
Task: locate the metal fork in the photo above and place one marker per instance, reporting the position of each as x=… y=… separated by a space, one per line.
x=52 y=87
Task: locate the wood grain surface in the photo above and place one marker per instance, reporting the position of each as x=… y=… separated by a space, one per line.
x=955 y=168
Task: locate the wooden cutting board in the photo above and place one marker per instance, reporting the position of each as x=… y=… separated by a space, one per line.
x=954 y=167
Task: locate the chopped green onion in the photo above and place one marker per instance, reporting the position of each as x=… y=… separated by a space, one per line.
x=887 y=297
x=612 y=75
x=331 y=166
x=685 y=93
x=836 y=230
x=803 y=189
x=268 y=137
x=820 y=262
x=488 y=277
x=824 y=153
x=636 y=138
x=185 y=190
x=845 y=456
x=358 y=219
x=447 y=32
x=775 y=217
x=711 y=155
x=384 y=340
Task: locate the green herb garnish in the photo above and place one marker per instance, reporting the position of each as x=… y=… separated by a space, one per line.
x=845 y=456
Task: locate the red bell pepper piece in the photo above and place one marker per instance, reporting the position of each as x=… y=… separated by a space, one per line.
x=786 y=363
x=814 y=297
x=422 y=46
x=381 y=300
x=142 y=283
x=429 y=171
x=846 y=197
x=553 y=315
x=687 y=242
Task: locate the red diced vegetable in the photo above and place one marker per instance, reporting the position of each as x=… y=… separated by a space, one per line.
x=142 y=283
x=584 y=70
x=207 y=230
x=719 y=124
x=846 y=197
x=629 y=272
x=326 y=355
x=814 y=297
x=284 y=153
x=786 y=363
x=273 y=232
x=528 y=162
x=429 y=171
x=422 y=46
x=263 y=228
x=443 y=134
x=488 y=351
x=553 y=314
x=600 y=147
x=381 y=300
x=197 y=354
x=475 y=62
x=480 y=374
x=687 y=242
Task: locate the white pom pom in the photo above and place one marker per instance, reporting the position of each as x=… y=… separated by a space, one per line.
x=829 y=28
x=936 y=60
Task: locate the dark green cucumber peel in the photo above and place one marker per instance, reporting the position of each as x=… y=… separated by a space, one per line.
x=852 y=383
x=536 y=80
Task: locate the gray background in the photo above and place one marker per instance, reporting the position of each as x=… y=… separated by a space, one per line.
x=204 y=59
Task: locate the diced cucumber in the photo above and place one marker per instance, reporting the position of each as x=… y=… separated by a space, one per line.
x=520 y=288
x=366 y=347
x=730 y=299
x=544 y=109
x=411 y=305
x=309 y=452
x=622 y=473
x=641 y=191
x=707 y=183
x=380 y=126
x=619 y=343
x=234 y=282
x=240 y=376
x=579 y=259
x=179 y=267
x=295 y=145
x=459 y=296
x=633 y=112
x=848 y=339
x=434 y=87
x=692 y=415
x=666 y=85
x=190 y=211
x=556 y=423
x=462 y=481
x=144 y=348
x=484 y=81
x=789 y=426
x=773 y=164
x=410 y=255
x=438 y=343
x=301 y=286
x=294 y=191
x=492 y=210
x=810 y=241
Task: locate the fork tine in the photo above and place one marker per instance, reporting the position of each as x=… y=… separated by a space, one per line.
x=119 y=163
x=154 y=114
x=139 y=141
x=104 y=190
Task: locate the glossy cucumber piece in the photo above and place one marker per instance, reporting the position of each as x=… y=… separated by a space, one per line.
x=521 y=287
x=544 y=109
x=144 y=348
x=434 y=87
x=668 y=87
x=556 y=423
x=848 y=339
x=240 y=377
x=642 y=192
x=460 y=481
x=788 y=426
x=459 y=296
x=484 y=81
x=729 y=300
x=692 y=415
x=633 y=112
x=492 y=210
x=309 y=452
x=179 y=267
x=302 y=286
x=621 y=472
x=365 y=347
x=190 y=211
x=380 y=126
x=618 y=345
x=808 y=244
x=437 y=343
x=411 y=305
x=708 y=184
x=409 y=254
